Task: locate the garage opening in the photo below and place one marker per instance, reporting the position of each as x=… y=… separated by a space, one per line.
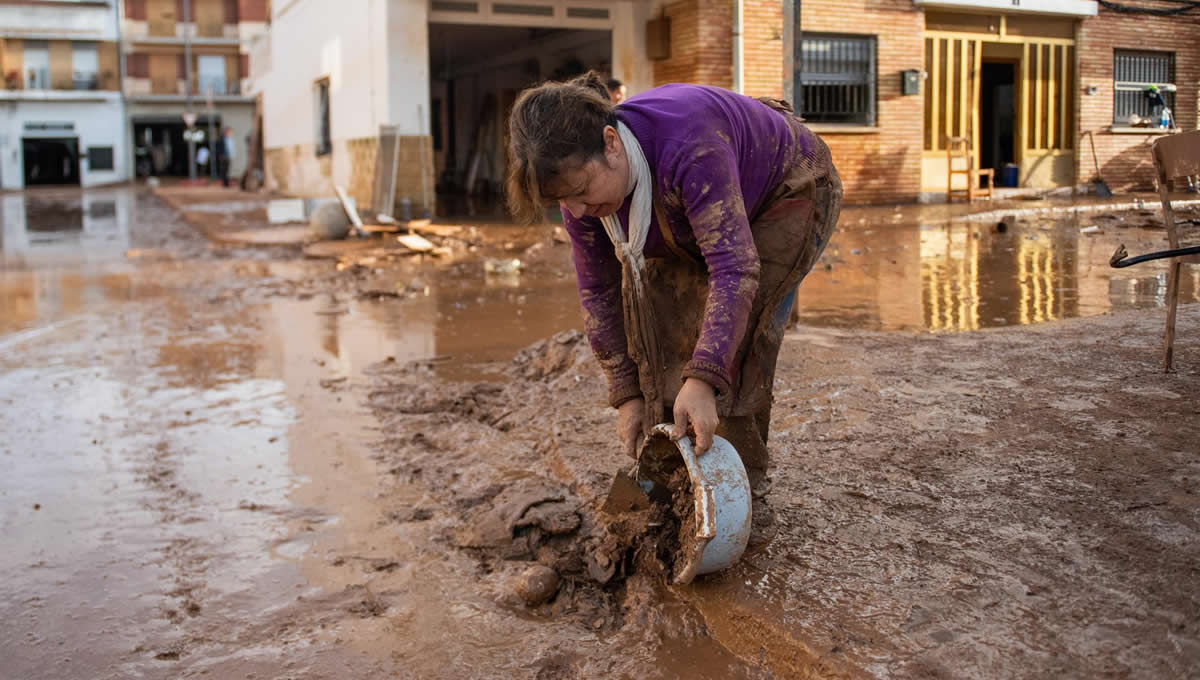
x=50 y=160
x=477 y=71
x=160 y=149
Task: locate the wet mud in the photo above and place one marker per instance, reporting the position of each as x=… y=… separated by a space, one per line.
x=233 y=463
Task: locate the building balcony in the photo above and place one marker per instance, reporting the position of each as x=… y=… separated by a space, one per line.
x=60 y=95
x=174 y=89
x=36 y=80
x=173 y=32
x=43 y=20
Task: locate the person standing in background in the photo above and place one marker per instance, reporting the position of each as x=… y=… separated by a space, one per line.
x=202 y=158
x=226 y=152
x=616 y=91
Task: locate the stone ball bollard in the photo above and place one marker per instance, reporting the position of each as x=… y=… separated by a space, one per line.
x=329 y=222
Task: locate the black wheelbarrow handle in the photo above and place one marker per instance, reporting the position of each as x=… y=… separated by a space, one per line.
x=1121 y=257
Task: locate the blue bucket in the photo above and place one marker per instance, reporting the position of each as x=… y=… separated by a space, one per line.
x=721 y=491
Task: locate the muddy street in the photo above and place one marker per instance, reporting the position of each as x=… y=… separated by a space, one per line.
x=240 y=463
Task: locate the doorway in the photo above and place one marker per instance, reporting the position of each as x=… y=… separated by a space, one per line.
x=997 y=116
x=477 y=71
x=160 y=149
x=50 y=160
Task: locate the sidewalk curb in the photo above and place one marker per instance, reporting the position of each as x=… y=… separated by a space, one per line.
x=1056 y=211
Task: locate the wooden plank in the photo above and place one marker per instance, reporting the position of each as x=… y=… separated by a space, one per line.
x=415 y=242
x=963 y=96
x=1023 y=127
x=1051 y=98
x=948 y=107
x=381 y=228
x=1064 y=136
x=351 y=212
x=976 y=77
x=1038 y=121
x=934 y=75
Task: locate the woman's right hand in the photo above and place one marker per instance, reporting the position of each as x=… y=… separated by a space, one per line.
x=630 y=417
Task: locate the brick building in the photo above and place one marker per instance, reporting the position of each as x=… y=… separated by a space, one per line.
x=1021 y=80
x=218 y=34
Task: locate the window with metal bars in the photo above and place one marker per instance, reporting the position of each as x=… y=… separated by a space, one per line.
x=838 y=79
x=1134 y=71
x=324 y=133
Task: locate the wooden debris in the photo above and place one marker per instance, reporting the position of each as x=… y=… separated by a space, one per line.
x=416 y=243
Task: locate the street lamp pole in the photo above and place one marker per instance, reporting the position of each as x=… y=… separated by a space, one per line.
x=187 y=88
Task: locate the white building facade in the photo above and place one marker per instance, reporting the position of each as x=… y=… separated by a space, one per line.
x=439 y=75
x=61 y=113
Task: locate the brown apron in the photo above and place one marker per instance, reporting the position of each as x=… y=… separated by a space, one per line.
x=790 y=232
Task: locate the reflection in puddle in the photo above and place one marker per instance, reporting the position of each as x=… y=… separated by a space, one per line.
x=966 y=276
x=72 y=225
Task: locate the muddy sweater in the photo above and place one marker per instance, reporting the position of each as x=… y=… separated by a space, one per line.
x=715 y=158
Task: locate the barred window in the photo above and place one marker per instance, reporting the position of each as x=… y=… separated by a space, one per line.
x=1133 y=72
x=324 y=136
x=838 y=79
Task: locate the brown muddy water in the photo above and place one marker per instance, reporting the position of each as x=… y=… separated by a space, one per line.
x=187 y=481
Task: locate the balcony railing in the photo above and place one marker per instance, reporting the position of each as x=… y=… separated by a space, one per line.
x=200 y=87
x=85 y=81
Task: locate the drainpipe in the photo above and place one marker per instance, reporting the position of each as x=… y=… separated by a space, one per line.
x=739 y=66
x=130 y=155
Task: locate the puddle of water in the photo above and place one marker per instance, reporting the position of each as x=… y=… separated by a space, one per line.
x=64 y=227
x=966 y=276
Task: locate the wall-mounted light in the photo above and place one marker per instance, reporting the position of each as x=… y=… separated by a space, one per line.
x=1092 y=90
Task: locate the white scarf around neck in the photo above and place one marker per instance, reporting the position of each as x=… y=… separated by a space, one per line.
x=629 y=250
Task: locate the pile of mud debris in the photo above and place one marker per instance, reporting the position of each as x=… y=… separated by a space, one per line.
x=485 y=448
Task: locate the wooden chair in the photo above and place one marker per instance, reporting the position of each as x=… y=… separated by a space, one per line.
x=1175 y=157
x=959 y=148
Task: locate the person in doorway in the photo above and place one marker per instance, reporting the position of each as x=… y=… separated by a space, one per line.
x=693 y=214
x=226 y=152
x=203 y=156
x=616 y=91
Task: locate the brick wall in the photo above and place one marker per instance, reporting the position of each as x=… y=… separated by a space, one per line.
x=882 y=166
x=762 y=48
x=879 y=166
x=298 y=171
x=1124 y=159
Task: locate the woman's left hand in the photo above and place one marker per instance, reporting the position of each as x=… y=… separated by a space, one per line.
x=696 y=405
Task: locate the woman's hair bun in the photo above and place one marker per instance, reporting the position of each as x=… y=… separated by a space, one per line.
x=592 y=81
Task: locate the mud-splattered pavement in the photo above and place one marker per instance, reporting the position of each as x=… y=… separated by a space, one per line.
x=239 y=464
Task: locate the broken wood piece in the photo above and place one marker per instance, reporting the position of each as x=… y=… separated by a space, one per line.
x=416 y=242
x=381 y=228
x=427 y=227
x=348 y=207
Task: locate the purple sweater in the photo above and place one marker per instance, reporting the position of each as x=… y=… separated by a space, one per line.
x=715 y=157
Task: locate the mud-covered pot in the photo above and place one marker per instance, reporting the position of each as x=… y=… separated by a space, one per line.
x=721 y=492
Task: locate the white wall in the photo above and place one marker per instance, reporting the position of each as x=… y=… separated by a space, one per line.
x=629 y=62
x=97 y=123
x=407 y=63
x=314 y=39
